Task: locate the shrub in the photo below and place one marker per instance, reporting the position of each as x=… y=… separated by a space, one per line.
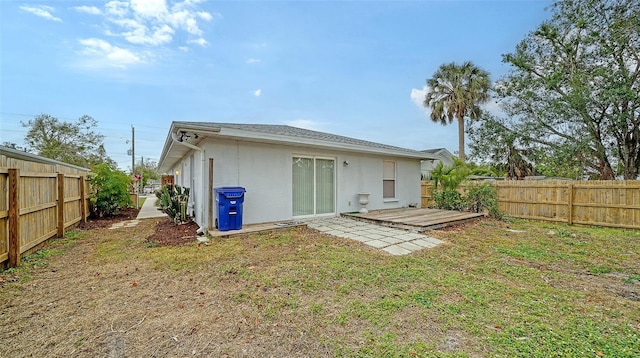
x=110 y=190
x=448 y=200
x=173 y=201
x=449 y=177
x=481 y=197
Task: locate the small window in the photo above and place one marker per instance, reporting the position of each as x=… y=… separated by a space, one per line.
x=388 y=179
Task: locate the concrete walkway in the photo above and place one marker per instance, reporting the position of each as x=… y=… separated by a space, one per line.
x=149 y=210
x=393 y=241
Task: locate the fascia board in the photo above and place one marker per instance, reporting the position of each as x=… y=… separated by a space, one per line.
x=280 y=139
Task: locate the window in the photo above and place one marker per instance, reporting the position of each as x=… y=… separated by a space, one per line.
x=388 y=179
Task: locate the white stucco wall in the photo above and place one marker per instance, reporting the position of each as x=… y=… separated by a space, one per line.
x=265 y=170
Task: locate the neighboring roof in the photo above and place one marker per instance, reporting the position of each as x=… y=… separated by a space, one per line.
x=21 y=155
x=443 y=153
x=274 y=133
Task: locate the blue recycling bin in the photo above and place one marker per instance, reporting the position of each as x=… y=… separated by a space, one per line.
x=229 y=200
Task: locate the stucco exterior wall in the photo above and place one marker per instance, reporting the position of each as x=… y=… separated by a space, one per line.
x=265 y=170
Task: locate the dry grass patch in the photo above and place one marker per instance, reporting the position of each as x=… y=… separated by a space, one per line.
x=494 y=289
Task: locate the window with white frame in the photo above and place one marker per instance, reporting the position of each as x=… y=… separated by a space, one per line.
x=388 y=179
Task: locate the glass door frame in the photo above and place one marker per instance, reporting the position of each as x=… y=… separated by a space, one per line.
x=315 y=188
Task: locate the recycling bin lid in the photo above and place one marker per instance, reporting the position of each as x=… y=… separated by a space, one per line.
x=231 y=191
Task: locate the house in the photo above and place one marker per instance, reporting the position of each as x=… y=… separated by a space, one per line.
x=438 y=155
x=288 y=173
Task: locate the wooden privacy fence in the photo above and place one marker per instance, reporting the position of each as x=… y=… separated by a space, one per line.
x=426 y=198
x=590 y=202
x=602 y=202
x=35 y=207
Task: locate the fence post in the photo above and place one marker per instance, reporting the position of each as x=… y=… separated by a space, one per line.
x=60 y=205
x=83 y=199
x=570 y=204
x=14 y=218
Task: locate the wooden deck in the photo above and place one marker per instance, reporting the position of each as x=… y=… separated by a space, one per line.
x=253 y=228
x=414 y=219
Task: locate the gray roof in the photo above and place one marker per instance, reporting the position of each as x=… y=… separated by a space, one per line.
x=285 y=134
x=433 y=151
x=289 y=131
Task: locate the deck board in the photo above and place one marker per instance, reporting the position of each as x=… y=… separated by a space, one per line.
x=415 y=219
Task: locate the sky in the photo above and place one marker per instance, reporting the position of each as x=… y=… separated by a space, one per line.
x=352 y=68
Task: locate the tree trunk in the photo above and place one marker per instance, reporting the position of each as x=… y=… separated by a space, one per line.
x=461 y=137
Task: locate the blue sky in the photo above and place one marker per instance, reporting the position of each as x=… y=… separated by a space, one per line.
x=354 y=68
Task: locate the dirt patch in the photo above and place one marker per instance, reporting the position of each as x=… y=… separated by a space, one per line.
x=466 y=224
x=99 y=223
x=167 y=233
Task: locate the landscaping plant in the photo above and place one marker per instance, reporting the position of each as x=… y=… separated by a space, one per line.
x=110 y=190
x=446 y=180
x=173 y=201
x=482 y=197
x=477 y=198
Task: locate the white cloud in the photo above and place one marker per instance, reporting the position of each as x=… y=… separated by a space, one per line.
x=117 y=8
x=149 y=8
x=141 y=35
x=42 y=11
x=202 y=42
x=418 y=95
x=140 y=25
x=103 y=54
x=91 y=10
x=257 y=92
x=252 y=61
x=206 y=16
x=305 y=123
x=153 y=23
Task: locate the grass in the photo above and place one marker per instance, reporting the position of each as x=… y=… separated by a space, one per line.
x=515 y=289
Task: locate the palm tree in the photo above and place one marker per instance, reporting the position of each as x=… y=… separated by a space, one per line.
x=456 y=91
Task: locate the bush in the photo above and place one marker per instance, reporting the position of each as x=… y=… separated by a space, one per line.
x=173 y=201
x=482 y=197
x=448 y=200
x=110 y=191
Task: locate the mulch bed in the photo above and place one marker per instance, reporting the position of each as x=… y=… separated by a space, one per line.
x=166 y=233
x=169 y=234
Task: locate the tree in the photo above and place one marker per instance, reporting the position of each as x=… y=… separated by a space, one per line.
x=573 y=94
x=14 y=146
x=110 y=190
x=446 y=180
x=149 y=170
x=455 y=92
x=492 y=143
x=73 y=143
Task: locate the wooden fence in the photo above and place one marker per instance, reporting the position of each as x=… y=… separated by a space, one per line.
x=36 y=206
x=600 y=203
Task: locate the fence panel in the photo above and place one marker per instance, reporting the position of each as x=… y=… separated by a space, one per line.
x=426 y=198
x=4 y=216
x=38 y=206
x=602 y=203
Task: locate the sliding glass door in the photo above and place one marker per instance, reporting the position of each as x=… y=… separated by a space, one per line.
x=313 y=186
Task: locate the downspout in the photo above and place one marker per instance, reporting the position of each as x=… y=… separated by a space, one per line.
x=174 y=137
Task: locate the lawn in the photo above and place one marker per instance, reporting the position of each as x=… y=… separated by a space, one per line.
x=494 y=289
